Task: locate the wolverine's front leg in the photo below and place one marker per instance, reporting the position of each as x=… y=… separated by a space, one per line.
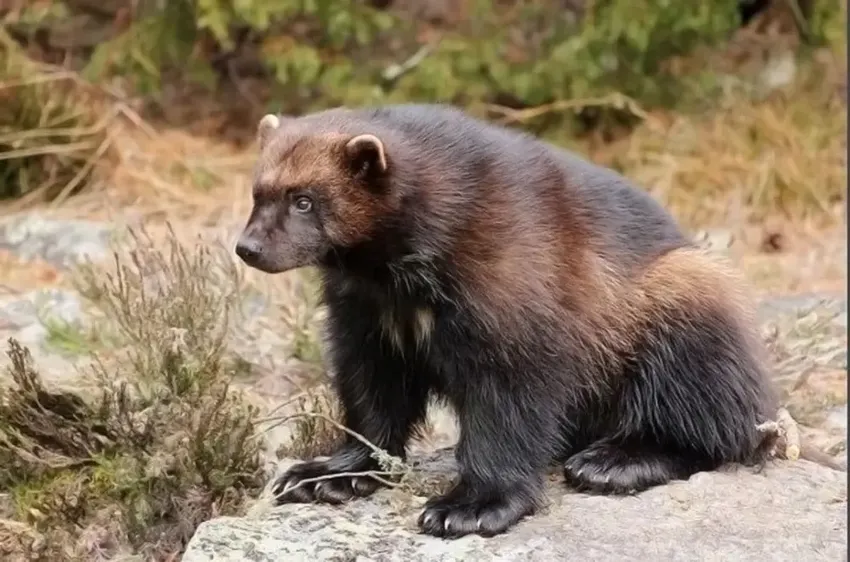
x=506 y=441
x=382 y=399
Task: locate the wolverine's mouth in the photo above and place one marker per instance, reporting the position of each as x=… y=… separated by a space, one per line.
x=254 y=255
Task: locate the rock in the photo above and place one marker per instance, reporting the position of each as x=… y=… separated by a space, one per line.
x=790 y=511
x=771 y=308
x=807 y=335
x=837 y=418
x=23 y=317
x=62 y=243
x=26 y=318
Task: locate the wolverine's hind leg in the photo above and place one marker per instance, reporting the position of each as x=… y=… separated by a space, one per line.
x=622 y=467
x=693 y=392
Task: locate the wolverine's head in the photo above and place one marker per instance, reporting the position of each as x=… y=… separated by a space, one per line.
x=320 y=183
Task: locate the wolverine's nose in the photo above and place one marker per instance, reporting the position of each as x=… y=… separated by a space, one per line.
x=248 y=250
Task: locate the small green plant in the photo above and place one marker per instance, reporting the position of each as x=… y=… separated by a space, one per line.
x=73 y=338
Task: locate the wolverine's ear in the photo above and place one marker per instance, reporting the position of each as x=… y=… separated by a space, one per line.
x=268 y=125
x=366 y=155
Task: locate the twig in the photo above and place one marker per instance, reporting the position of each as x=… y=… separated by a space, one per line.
x=377 y=475
x=41 y=150
x=90 y=163
x=396 y=71
x=616 y=100
x=792 y=434
x=47 y=133
x=51 y=76
x=397 y=466
x=799 y=18
x=136 y=119
x=84 y=171
x=287 y=402
x=391 y=462
x=283 y=419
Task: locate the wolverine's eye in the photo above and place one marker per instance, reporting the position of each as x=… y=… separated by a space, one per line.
x=303 y=204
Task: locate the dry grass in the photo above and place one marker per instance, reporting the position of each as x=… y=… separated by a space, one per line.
x=783 y=157
x=53 y=133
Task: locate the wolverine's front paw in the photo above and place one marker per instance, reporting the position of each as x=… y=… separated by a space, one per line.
x=315 y=481
x=461 y=512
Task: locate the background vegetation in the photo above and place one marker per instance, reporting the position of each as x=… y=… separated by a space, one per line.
x=732 y=112
x=566 y=70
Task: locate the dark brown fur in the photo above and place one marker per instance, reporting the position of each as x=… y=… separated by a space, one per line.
x=558 y=308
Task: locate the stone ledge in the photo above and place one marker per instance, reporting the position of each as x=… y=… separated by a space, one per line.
x=790 y=511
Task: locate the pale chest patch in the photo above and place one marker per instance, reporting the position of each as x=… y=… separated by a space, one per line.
x=398 y=326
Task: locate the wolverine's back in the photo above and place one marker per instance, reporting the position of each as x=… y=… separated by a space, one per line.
x=472 y=164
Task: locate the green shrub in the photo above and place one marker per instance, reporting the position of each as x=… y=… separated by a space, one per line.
x=329 y=52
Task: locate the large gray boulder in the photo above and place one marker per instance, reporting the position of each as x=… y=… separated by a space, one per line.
x=794 y=511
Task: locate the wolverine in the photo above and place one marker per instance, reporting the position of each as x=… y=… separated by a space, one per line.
x=558 y=308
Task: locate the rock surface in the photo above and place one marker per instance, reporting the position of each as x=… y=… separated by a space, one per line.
x=62 y=243
x=807 y=335
x=790 y=511
x=28 y=318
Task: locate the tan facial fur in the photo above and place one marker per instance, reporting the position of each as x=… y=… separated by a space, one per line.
x=292 y=156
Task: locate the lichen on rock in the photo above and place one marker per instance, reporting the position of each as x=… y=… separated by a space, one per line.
x=788 y=511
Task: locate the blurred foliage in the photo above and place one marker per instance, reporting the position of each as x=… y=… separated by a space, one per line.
x=519 y=53
x=328 y=52
x=555 y=67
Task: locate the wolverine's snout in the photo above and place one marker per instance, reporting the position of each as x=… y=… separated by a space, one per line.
x=266 y=252
x=249 y=250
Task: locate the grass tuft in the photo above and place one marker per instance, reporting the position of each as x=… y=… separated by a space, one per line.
x=750 y=161
x=52 y=135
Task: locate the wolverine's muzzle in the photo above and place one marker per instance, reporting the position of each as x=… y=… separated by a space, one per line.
x=249 y=251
